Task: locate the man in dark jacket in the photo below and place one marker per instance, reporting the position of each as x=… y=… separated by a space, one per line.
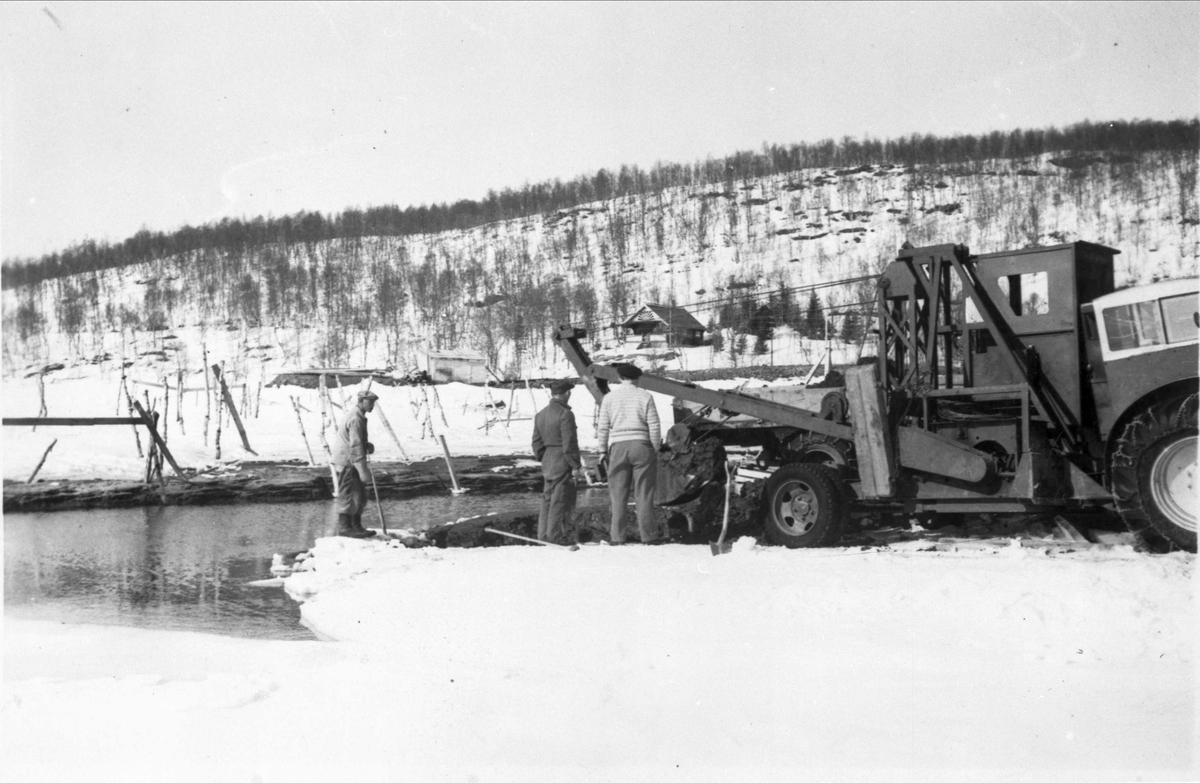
x=350 y=450
x=556 y=445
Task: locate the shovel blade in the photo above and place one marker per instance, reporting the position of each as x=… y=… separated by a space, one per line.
x=721 y=547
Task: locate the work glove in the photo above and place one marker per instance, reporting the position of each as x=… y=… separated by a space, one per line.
x=370 y=448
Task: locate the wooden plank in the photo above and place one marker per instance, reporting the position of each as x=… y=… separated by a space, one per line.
x=166 y=386
x=872 y=439
x=42 y=461
x=237 y=420
x=767 y=410
x=68 y=422
x=162 y=445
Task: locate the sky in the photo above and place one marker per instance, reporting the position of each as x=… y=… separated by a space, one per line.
x=115 y=117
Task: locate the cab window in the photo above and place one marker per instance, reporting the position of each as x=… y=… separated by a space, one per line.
x=1136 y=325
x=1027 y=294
x=1180 y=318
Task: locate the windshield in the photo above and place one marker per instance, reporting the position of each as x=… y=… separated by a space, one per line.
x=1155 y=323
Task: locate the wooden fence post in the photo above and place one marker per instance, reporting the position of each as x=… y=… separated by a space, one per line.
x=300 y=421
x=387 y=425
x=129 y=401
x=438 y=401
x=237 y=421
x=149 y=422
x=326 y=404
x=179 y=400
x=166 y=418
x=341 y=392
x=41 y=396
x=532 y=399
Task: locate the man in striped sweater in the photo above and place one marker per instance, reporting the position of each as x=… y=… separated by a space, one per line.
x=630 y=436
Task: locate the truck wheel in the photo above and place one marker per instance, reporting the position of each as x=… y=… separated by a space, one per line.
x=1154 y=474
x=802 y=506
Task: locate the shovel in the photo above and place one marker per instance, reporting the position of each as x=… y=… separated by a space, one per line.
x=378 y=505
x=571 y=548
x=722 y=547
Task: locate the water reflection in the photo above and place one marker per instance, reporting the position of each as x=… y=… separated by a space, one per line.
x=186 y=568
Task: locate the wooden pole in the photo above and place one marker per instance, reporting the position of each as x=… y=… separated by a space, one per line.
x=179 y=400
x=491 y=414
x=148 y=473
x=512 y=398
x=137 y=438
x=300 y=421
x=207 y=400
x=438 y=401
x=166 y=418
x=326 y=416
x=42 y=396
x=322 y=394
x=217 y=434
x=532 y=399
x=153 y=385
x=378 y=505
x=387 y=425
x=158 y=456
x=428 y=422
x=59 y=421
x=341 y=392
x=155 y=436
x=450 y=465
x=42 y=461
x=237 y=421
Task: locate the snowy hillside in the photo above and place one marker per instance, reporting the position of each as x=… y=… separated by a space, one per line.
x=501 y=288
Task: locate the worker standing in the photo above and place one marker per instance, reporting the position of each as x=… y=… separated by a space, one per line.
x=630 y=436
x=556 y=446
x=350 y=450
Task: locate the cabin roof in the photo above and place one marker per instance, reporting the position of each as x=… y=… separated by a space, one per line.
x=667 y=314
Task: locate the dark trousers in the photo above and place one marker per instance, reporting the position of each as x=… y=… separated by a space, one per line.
x=558 y=495
x=632 y=465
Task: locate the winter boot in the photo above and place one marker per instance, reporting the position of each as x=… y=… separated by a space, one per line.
x=345 y=527
x=358 y=526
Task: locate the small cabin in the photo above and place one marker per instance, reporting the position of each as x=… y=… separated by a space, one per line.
x=656 y=323
x=446 y=366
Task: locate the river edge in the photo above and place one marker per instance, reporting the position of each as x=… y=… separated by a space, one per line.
x=273 y=482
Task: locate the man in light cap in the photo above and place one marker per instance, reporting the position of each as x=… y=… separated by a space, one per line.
x=350 y=451
x=556 y=445
x=630 y=436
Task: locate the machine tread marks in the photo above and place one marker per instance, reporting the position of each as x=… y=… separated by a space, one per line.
x=1146 y=437
x=803 y=506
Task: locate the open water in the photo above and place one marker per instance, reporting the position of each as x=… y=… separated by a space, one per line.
x=187 y=568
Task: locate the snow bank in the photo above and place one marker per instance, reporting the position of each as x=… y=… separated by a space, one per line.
x=648 y=663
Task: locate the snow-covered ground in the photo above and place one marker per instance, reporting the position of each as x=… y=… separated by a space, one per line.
x=642 y=663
